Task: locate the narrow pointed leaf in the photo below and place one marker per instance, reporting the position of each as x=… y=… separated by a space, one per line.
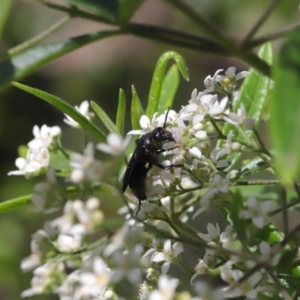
x=120 y=119
x=136 y=109
x=65 y=108
x=18 y=65
x=169 y=89
x=5 y=6
x=127 y=9
x=15 y=203
x=285 y=108
x=102 y=115
x=158 y=76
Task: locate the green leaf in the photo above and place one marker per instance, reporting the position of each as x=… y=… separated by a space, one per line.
x=4 y=11
x=285 y=108
x=136 y=109
x=15 y=203
x=169 y=89
x=127 y=9
x=65 y=108
x=253 y=166
x=158 y=76
x=106 y=9
x=233 y=214
x=254 y=92
x=120 y=119
x=18 y=65
x=102 y=115
x=287 y=259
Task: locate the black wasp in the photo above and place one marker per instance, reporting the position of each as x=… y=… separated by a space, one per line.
x=145 y=155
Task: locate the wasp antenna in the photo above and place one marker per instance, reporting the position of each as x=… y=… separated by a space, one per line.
x=166 y=118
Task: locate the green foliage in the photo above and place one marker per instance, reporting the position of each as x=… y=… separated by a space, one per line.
x=169 y=89
x=15 y=203
x=4 y=11
x=254 y=92
x=158 y=78
x=285 y=108
x=121 y=112
x=102 y=115
x=21 y=63
x=65 y=108
x=107 y=10
x=136 y=109
x=127 y=8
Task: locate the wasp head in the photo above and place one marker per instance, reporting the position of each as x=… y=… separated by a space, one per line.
x=161 y=134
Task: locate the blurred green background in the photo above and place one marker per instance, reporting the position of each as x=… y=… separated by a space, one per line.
x=96 y=72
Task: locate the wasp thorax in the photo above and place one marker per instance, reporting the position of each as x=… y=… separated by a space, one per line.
x=161 y=134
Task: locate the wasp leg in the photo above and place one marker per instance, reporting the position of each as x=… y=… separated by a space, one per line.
x=164 y=150
x=166 y=167
x=139 y=207
x=158 y=165
x=175 y=166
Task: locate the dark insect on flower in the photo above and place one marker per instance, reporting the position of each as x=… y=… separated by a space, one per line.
x=145 y=155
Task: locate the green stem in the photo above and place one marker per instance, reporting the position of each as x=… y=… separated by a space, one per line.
x=254 y=182
x=74 y=11
x=284 y=212
x=175 y=37
x=33 y=41
x=269 y=37
x=204 y=24
x=287 y=206
x=261 y=20
x=261 y=143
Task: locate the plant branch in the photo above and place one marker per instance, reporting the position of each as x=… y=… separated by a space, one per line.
x=175 y=37
x=254 y=182
x=33 y=41
x=204 y=24
x=269 y=37
x=261 y=20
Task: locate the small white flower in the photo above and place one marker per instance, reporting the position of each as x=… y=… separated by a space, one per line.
x=166 y=289
x=219 y=185
x=230 y=73
x=115 y=146
x=40 y=243
x=268 y=255
x=240 y=118
x=257 y=211
x=211 y=82
x=46 y=278
x=85 y=167
x=213 y=233
x=196 y=111
x=245 y=288
x=201 y=268
x=87 y=284
x=229 y=239
x=37 y=160
x=43 y=137
x=167 y=255
x=82 y=109
x=195 y=152
x=146 y=125
x=67 y=243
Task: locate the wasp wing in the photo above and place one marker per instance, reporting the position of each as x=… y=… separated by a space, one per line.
x=134 y=160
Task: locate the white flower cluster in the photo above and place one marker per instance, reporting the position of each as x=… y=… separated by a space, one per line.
x=38 y=157
x=78 y=256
